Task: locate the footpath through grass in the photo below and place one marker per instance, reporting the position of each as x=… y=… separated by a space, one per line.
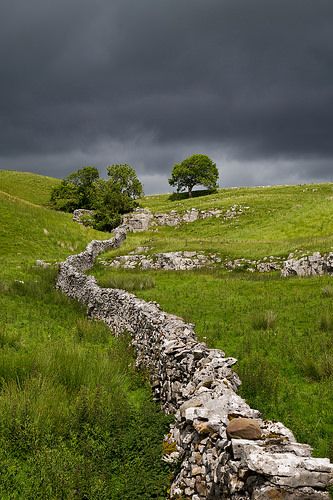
x=281 y=331
x=76 y=419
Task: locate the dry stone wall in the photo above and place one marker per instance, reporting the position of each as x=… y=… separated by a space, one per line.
x=311 y=265
x=168 y=261
x=222 y=447
x=142 y=218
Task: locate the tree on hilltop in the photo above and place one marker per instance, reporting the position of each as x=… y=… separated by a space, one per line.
x=124 y=177
x=196 y=170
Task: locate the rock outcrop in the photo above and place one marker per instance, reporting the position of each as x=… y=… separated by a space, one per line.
x=142 y=218
x=311 y=265
x=83 y=216
x=169 y=261
x=199 y=387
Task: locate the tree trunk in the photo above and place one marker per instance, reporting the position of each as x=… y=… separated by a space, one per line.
x=190 y=192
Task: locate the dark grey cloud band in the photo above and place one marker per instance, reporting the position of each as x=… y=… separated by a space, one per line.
x=147 y=82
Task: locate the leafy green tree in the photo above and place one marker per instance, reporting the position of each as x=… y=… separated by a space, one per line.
x=124 y=177
x=65 y=197
x=84 y=180
x=76 y=190
x=109 y=204
x=196 y=170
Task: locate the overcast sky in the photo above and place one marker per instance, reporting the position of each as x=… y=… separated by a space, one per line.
x=150 y=82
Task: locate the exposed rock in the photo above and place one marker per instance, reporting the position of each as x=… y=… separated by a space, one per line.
x=84 y=217
x=268 y=264
x=142 y=218
x=311 y=265
x=244 y=428
x=139 y=220
x=169 y=261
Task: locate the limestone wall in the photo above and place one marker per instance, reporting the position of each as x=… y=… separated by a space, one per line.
x=222 y=446
x=142 y=218
x=311 y=265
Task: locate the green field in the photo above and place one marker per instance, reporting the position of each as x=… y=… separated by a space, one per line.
x=281 y=330
x=76 y=419
x=26 y=186
x=279 y=220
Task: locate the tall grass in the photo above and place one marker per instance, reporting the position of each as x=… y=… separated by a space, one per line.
x=272 y=326
x=76 y=419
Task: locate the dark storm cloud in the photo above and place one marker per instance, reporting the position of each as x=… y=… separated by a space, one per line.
x=149 y=81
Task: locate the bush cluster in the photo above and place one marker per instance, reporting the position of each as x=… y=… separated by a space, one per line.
x=108 y=198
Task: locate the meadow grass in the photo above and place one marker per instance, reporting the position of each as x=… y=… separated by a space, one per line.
x=279 y=220
x=27 y=186
x=29 y=232
x=275 y=329
x=76 y=419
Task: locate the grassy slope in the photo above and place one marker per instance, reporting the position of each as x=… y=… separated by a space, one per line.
x=279 y=220
x=26 y=186
x=30 y=232
x=73 y=411
x=287 y=370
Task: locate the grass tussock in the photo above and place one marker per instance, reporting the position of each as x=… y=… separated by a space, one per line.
x=74 y=411
x=264 y=320
x=326 y=322
x=131 y=282
x=327 y=291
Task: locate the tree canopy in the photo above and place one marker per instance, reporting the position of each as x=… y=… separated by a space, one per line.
x=108 y=198
x=198 y=169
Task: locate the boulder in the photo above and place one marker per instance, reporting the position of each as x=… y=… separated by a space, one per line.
x=243 y=428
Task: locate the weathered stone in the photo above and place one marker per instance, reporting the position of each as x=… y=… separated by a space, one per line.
x=201 y=487
x=243 y=428
x=311 y=265
x=84 y=217
x=206 y=427
x=265 y=492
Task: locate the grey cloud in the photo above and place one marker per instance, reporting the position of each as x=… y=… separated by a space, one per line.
x=164 y=79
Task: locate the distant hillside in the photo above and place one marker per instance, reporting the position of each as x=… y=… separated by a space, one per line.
x=27 y=186
x=278 y=220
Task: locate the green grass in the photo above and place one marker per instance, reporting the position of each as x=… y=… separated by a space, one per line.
x=273 y=327
x=27 y=186
x=29 y=232
x=279 y=329
x=279 y=220
x=76 y=419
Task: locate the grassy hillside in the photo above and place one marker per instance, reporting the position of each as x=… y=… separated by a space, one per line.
x=73 y=411
x=26 y=186
x=279 y=329
x=279 y=220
